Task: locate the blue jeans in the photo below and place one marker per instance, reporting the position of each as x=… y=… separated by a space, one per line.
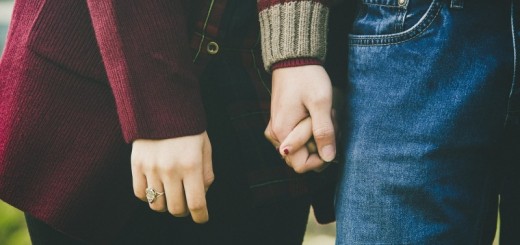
x=432 y=132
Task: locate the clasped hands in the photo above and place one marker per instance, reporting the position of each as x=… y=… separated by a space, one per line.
x=302 y=117
x=180 y=169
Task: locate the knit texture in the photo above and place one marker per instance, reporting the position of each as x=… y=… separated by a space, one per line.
x=75 y=78
x=292 y=29
x=295 y=62
x=149 y=65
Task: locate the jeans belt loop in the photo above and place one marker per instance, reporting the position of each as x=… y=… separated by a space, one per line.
x=457 y=4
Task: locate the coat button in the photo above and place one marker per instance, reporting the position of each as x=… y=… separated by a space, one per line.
x=401 y=2
x=212 y=48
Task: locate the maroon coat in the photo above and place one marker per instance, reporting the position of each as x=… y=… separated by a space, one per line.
x=77 y=79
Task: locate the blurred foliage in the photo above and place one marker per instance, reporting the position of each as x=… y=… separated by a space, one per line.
x=13 y=230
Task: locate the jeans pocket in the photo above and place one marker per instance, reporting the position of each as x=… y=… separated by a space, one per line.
x=385 y=22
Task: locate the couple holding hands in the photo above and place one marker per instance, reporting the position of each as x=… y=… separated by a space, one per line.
x=171 y=101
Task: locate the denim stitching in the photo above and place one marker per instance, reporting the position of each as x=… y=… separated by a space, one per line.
x=384 y=5
x=380 y=3
x=415 y=31
x=401 y=18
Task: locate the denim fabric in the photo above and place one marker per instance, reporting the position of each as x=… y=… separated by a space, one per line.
x=432 y=124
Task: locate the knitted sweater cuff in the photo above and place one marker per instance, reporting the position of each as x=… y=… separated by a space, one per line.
x=295 y=62
x=292 y=29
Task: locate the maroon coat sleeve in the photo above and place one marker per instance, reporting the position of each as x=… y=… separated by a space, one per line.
x=145 y=50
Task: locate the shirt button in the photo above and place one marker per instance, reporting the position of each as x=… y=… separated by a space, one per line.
x=212 y=48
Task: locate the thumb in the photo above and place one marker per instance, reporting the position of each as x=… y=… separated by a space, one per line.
x=323 y=131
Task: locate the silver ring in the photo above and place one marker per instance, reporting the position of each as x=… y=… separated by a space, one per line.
x=152 y=194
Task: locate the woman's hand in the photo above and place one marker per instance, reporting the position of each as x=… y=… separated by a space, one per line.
x=181 y=168
x=303 y=155
x=302 y=95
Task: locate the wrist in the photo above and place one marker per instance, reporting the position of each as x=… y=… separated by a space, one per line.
x=296 y=62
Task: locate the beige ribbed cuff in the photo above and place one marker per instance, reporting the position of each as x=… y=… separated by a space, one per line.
x=293 y=30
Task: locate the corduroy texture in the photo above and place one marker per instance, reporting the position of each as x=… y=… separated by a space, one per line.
x=293 y=29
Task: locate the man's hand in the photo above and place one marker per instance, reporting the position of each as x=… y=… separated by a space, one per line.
x=181 y=168
x=299 y=93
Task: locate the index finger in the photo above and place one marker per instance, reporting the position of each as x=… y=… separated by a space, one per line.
x=298 y=137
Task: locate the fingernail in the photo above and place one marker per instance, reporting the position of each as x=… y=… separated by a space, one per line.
x=286 y=151
x=328 y=152
x=277 y=149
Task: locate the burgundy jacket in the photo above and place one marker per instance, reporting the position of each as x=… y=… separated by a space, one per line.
x=81 y=79
x=77 y=79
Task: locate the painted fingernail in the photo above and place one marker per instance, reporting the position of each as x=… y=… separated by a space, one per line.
x=286 y=151
x=328 y=152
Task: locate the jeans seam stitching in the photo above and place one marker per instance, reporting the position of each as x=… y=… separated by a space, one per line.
x=407 y=36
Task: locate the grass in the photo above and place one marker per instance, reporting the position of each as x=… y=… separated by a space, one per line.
x=13 y=230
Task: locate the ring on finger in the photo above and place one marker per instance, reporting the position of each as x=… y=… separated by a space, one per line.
x=152 y=194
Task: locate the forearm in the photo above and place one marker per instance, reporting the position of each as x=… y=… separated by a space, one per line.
x=145 y=51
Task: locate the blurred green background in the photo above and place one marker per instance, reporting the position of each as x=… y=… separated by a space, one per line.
x=13 y=230
x=5 y=15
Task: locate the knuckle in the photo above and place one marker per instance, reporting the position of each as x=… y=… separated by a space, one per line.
x=177 y=210
x=158 y=208
x=267 y=133
x=323 y=132
x=138 y=195
x=168 y=167
x=197 y=205
x=277 y=129
x=188 y=165
x=209 y=179
x=136 y=160
x=321 y=98
x=148 y=168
